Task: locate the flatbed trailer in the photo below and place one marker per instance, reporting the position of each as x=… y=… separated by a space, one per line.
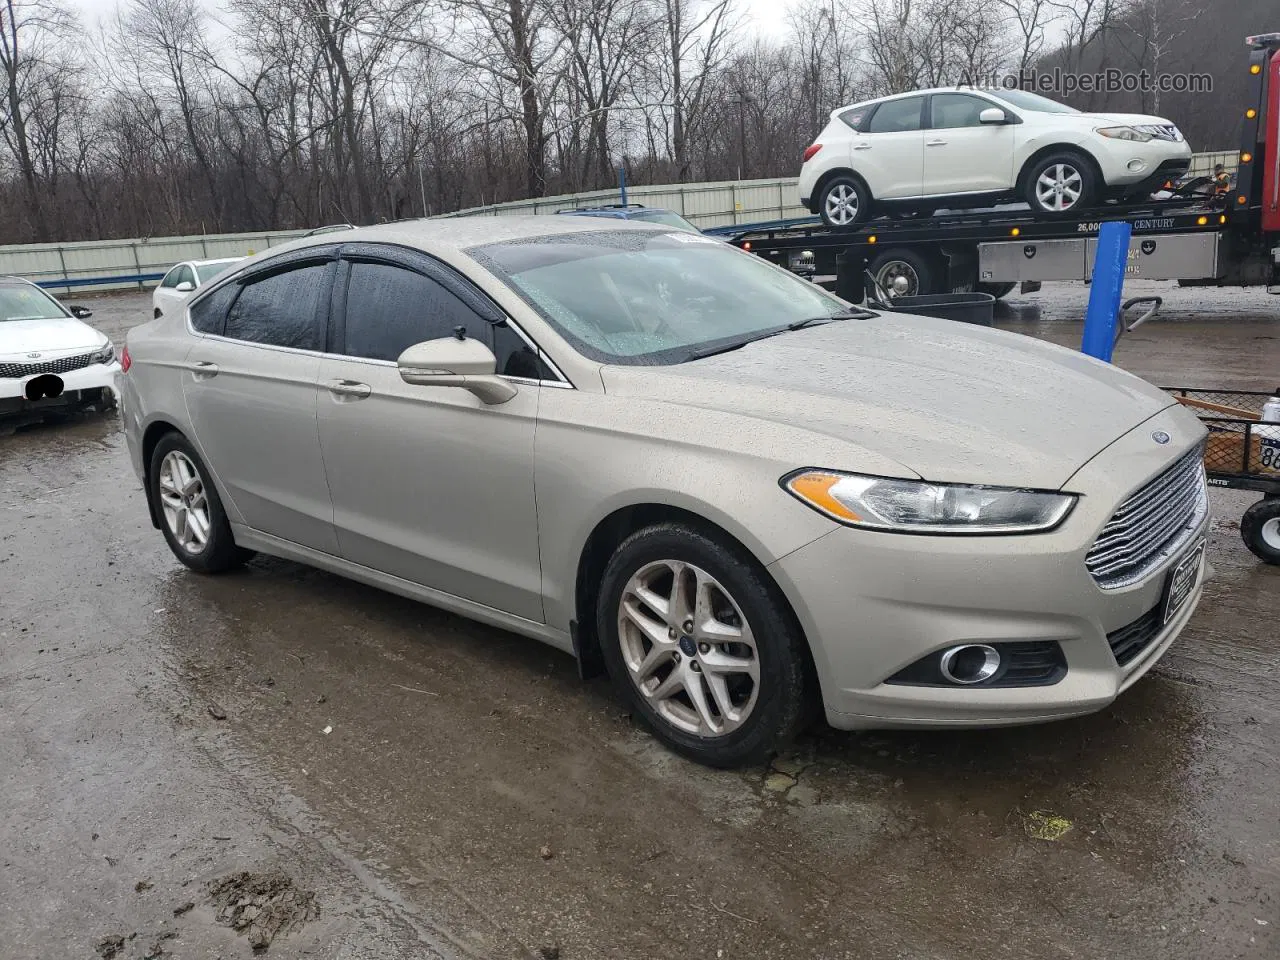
x=1218 y=240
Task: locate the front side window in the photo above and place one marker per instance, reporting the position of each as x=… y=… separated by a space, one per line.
x=897 y=116
x=282 y=309
x=958 y=110
x=641 y=297
x=390 y=308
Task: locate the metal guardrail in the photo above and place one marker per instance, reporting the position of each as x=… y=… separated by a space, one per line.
x=135 y=263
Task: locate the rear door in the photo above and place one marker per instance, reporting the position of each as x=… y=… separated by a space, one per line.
x=889 y=153
x=250 y=387
x=430 y=484
x=963 y=155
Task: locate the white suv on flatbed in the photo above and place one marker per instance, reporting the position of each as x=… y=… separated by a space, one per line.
x=953 y=148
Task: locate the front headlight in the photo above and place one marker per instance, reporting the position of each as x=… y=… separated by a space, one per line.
x=916 y=506
x=1124 y=133
x=106 y=354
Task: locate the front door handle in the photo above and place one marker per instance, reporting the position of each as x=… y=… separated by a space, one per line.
x=936 y=143
x=349 y=389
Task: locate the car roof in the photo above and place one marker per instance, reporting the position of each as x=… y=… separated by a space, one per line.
x=917 y=93
x=461 y=233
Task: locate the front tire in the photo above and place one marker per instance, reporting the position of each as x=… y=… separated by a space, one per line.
x=1260 y=529
x=700 y=642
x=191 y=515
x=844 y=202
x=1061 y=185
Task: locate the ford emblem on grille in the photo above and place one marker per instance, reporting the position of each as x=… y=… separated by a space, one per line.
x=1161 y=437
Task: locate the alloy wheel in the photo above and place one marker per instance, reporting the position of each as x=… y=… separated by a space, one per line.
x=1059 y=187
x=842 y=204
x=183 y=502
x=688 y=648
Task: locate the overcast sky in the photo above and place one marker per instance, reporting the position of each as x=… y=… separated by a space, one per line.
x=768 y=16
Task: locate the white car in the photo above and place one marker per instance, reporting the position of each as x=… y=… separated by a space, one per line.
x=183 y=280
x=49 y=359
x=964 y=148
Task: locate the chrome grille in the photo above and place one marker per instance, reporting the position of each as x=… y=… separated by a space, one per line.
x=12 y=371
x=1151 y=525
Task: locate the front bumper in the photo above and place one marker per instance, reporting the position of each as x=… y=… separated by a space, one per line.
x=874 y=603
x=94 y=384
x=1160 y=159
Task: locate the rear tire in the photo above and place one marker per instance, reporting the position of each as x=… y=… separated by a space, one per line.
x=920 y=273
x=1260 y=530
x=191 y=515
x=844 y=202
x=730 y=689
x=1060 y=185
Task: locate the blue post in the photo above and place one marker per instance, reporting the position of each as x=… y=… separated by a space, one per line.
x=622 y=182
x=1108 y=286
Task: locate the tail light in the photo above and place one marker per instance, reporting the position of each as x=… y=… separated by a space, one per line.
x=812 y=152
x=126 y=361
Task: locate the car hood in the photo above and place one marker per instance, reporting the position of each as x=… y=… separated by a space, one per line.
x=1129 y=119
x=950 y=402
x=21 y=337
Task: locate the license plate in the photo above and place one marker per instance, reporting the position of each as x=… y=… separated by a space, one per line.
x=1182 y=581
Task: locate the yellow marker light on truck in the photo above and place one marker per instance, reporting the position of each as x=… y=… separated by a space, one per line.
x=1255 y=69
x=1222 y=218
x=1015 y=232
x=1246 y=158
x=871 y=239
x=1202 y=221
x=1251 y=114
x=1242 y=199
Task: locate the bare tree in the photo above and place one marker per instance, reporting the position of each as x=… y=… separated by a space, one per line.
x=30 y=34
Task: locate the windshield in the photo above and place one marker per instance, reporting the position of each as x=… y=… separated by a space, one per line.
x=641 y=297
x=22 y=301
x=207 y=271
x=666 y=218
x=1033 y=102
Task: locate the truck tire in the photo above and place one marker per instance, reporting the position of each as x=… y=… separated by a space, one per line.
x=921 y=273
x=1260 y=529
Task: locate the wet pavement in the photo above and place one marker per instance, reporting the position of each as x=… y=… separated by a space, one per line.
x=398 y=782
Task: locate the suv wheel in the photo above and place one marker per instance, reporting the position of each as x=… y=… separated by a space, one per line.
x=844 y=202
x=700 y=642
x=1061 y=184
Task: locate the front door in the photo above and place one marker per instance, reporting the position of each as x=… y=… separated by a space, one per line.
x=963 y=155
x=429 y=484
x=250 y=387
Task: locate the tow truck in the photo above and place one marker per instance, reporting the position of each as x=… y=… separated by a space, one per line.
x=1205 y=238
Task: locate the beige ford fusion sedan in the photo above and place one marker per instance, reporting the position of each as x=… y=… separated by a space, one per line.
x=743 y=497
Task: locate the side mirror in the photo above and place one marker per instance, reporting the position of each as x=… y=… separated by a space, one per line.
x=450 y=362
x=186 y=286
x=993 y=115
x=81 y=313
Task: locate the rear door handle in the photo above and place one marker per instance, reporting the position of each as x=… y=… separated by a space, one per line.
x=936 y=143
x=862 y=146
x=203 y=369
x=349 y=389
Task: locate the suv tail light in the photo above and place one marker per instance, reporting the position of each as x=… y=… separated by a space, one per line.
x=126 y=361
x=812 y=152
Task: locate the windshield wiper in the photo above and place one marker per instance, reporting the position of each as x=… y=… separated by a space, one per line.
x=848 y=315
x=716 y=351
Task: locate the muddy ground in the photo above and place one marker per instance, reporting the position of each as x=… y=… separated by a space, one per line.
x=192 y=766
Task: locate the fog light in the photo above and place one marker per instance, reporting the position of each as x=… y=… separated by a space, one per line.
x=969 y=664
x=1137 y=166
